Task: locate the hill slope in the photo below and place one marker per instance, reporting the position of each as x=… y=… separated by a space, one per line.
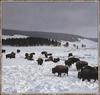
x=56 y=36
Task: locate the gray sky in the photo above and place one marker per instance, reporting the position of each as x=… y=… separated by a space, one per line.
x=72 y=18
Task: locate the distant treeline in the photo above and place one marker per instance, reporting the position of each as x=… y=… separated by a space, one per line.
x=30 y=41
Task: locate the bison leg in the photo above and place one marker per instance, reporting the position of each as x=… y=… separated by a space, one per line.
x=59 y=74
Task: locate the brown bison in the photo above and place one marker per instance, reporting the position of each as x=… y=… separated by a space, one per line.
x=60 y=69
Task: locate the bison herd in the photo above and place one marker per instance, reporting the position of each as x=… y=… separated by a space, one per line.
x=85 y=72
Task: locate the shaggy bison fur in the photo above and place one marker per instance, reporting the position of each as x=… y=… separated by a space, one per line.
x=71 y=61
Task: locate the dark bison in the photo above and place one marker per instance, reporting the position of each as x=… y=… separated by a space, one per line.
x=40 y=61
x=49 y=59
x=26 y=55
x=18 y=51
x=88 y=74
x=60 y=69
x=43 y=52
x=81 y=64
x=29 y=56
x=49 y=54
x=71 y=61
x=56 y=60
x=46 y=54
x=11 y=55
x=68 y=63
x=70 y=54
x=3 y=50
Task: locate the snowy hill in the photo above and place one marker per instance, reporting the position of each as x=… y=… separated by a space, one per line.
x=50 y=35
x=88 y=43
x=13 y=36
x=79 y=42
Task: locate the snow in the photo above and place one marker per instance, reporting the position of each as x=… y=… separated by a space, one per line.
x=14 y=36
x=23 y=76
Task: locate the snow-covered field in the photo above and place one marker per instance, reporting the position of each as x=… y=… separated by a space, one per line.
x=23 y=76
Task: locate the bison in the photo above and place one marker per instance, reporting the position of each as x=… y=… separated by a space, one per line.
x=60 y=69
x=46 y=54
x=29 y=56
x=49 y=59
x=68 y=63
x=18 y=51
x=26 y=55
x=81 y=64
x=87 y=74
x=70 y=54
x=3 y=50
x=40 y=61
x=49 y=54
x=73 y=59
x=55 y=60
x=43 y=52
x=11 y=55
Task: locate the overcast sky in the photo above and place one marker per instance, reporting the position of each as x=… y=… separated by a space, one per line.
x=72 y=18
